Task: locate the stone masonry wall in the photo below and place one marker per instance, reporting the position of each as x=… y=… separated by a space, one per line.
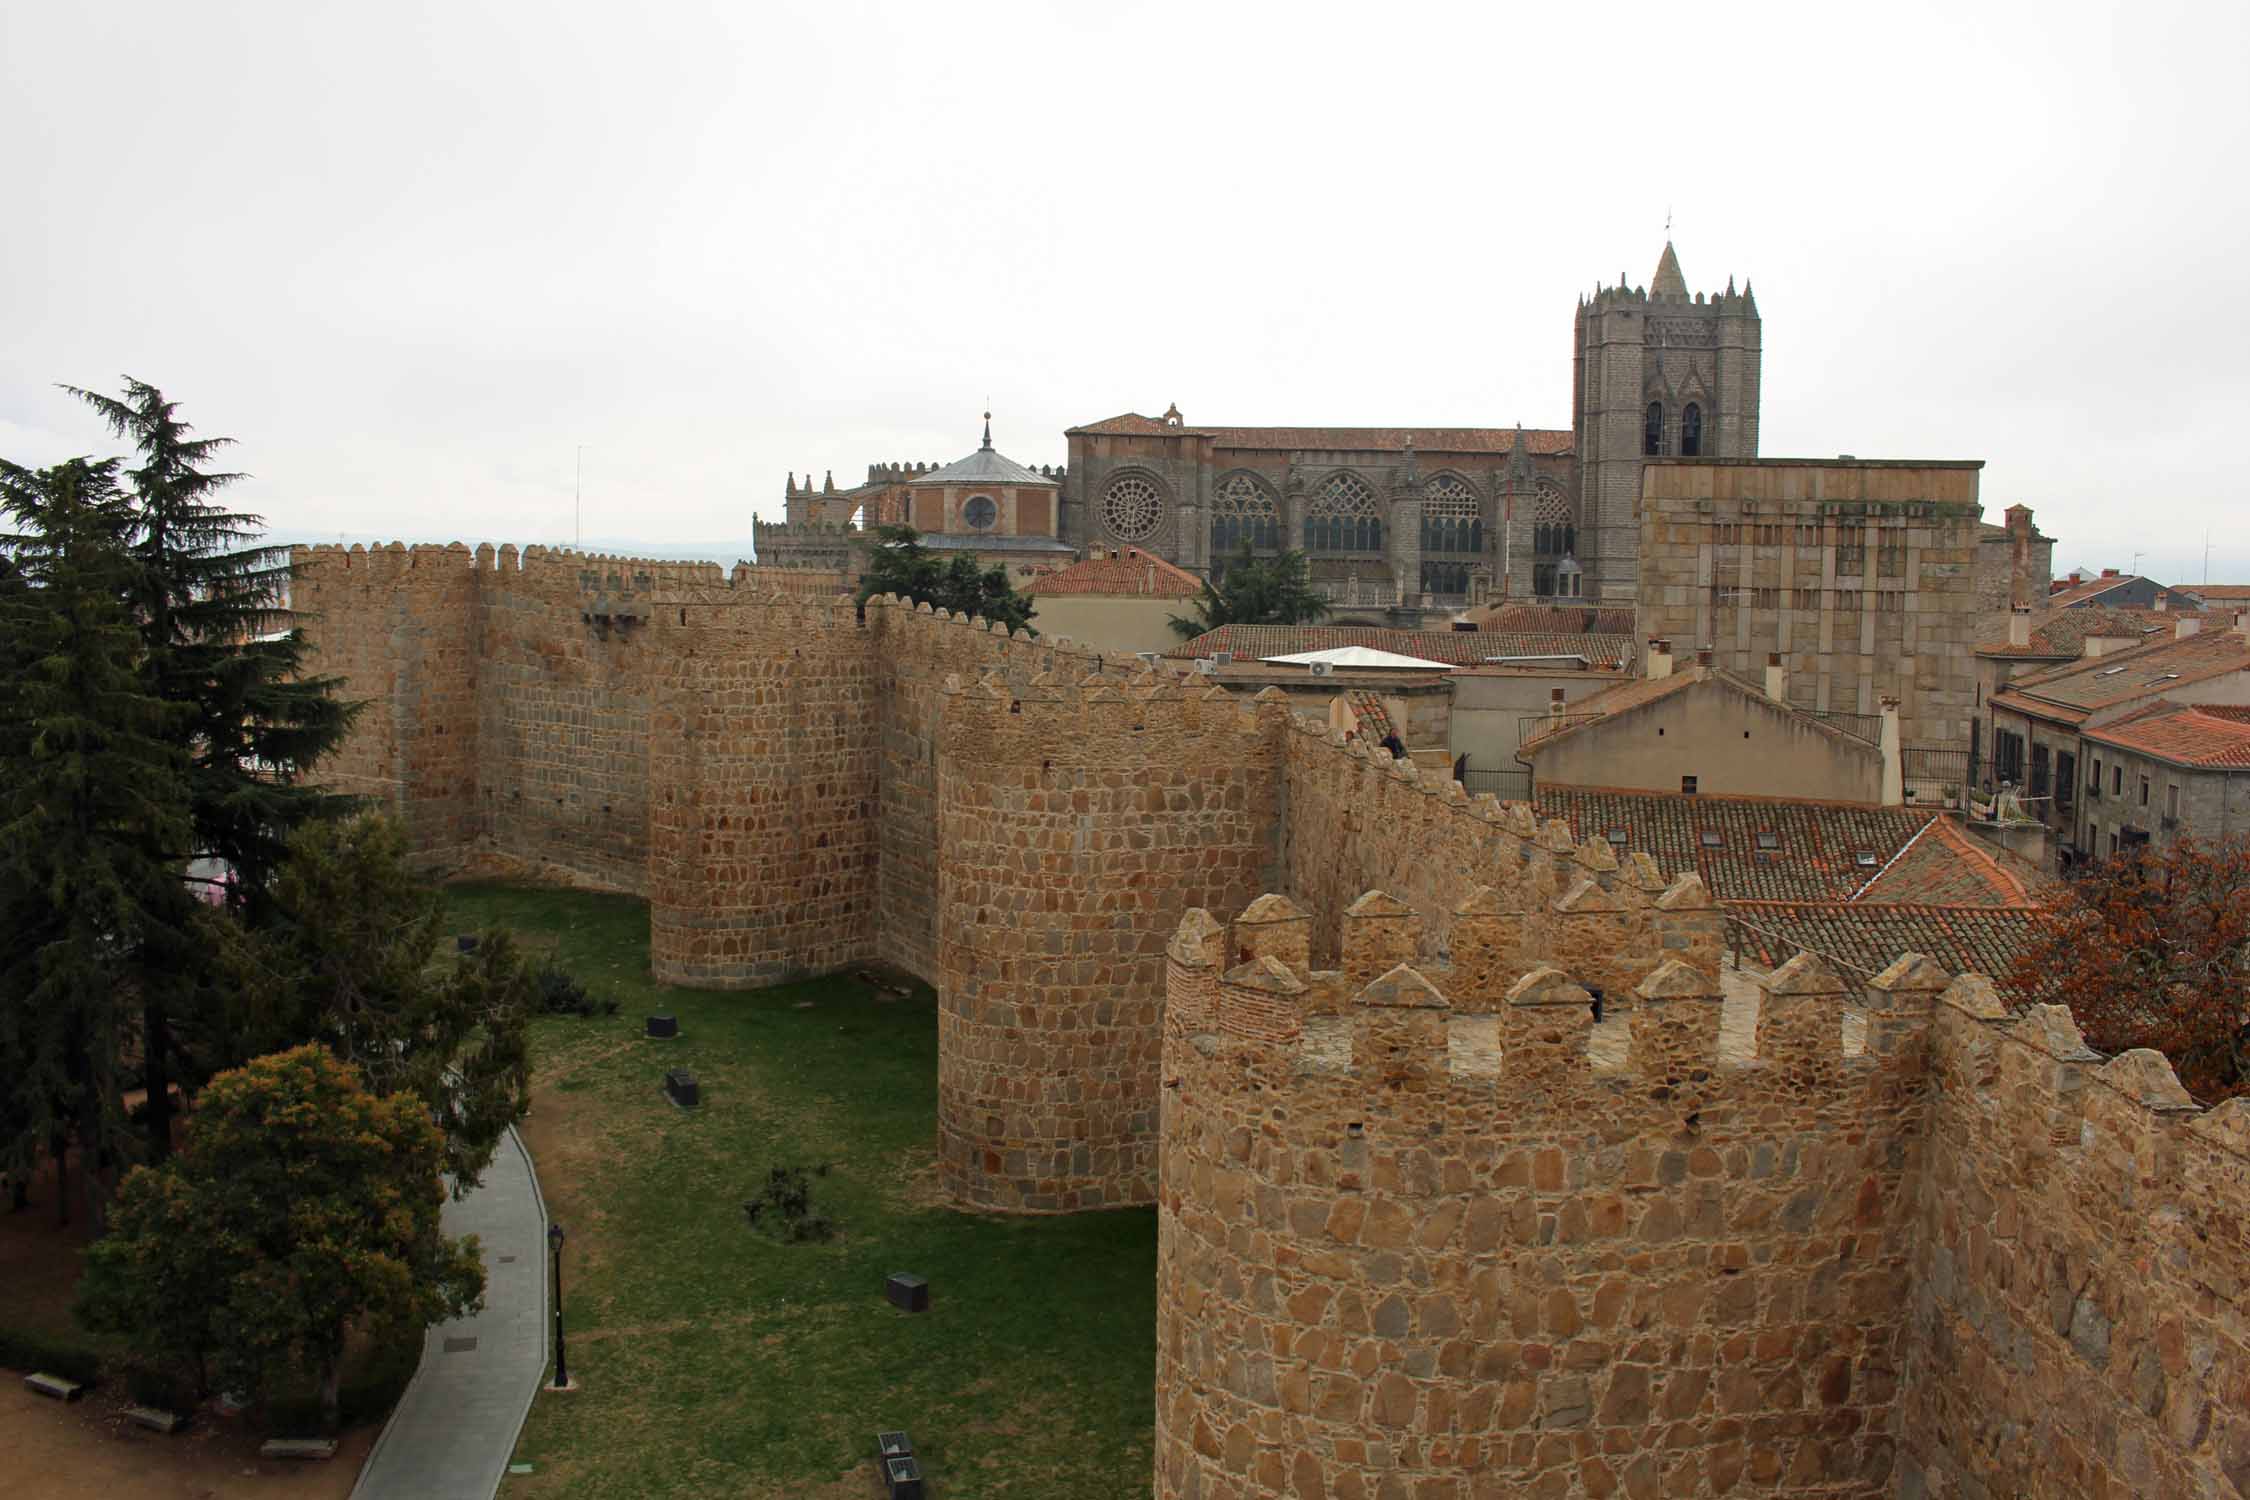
x=2078 y=1322
x=1077 y=818
x=1421 y=1236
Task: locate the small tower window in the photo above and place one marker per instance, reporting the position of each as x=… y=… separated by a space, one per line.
x=1691 y=431
x=1652 y=432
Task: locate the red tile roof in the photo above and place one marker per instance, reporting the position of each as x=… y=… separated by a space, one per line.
x=1136 y=572
x=1638 y=693
x=2071 y=692
x=2184 y=734
x=1348 y=439
x=1553 y=619
x=1367 y=708
x=2216 y=592
x=1945 y=865
x=2063 y=632
x=1817 y=849
x=1460 y=648
x=1962 y=940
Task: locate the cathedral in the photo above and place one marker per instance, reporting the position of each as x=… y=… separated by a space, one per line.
x=1398 y=519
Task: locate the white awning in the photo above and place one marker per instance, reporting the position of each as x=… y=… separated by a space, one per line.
x=1356 y=656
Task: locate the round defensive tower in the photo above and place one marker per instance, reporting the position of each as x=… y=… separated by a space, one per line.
x=1429 y=1230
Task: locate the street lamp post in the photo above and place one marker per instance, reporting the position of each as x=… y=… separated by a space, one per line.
x=562 y=1358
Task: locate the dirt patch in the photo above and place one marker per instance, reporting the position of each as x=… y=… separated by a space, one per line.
x=87 y=1451
x=913 y=1180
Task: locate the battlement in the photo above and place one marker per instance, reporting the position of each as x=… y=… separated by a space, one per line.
x=1728 y=303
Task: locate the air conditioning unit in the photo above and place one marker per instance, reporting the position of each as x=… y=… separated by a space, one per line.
x=1223 y=658
x=1322 y=668
x=1149 y=658
x=1206 y=666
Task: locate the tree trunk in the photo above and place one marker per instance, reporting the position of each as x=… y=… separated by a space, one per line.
x=156 y=1047
x=331 y=1393
x=60 y=1145
x=91 y=1180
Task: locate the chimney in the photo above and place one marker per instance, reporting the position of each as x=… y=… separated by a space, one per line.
x=1777 y=680
x=2019 y=555
x=1659 y=658
x=1554 y=703
x=2019 y=625
x=1703 y=656
x=1894 y=773
x=2242 y=622
x=2109 y=572
x=2187 y=626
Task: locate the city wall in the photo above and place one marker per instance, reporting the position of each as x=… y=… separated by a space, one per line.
x=1460 y=1194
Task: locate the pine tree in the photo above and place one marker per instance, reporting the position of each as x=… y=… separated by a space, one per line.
x=93 y=816
x=899 y=564
x=1255 y=591
x=219 y=639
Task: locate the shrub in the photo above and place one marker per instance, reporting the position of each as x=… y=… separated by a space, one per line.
x=783 y=1207
x=560 y=994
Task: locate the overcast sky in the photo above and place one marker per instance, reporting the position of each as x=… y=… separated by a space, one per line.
x=413 y=256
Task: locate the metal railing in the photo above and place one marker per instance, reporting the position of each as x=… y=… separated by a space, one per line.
x=1508 y=786
x=1868 y=727
x=1937 y=774
x=1351 y=591
x=1534 y=727
x=1772 y=949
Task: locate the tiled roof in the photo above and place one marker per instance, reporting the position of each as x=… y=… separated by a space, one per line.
x=1349 y=439
x=1136 y=572
x=1945 y=865
x=2091 y=589
x=2183 y=734
x=1638 y=693
x=2063 y=632
x=1818 y=845
x=1367 y=708
x=1461 y=648
x=2214 y=593
x=1867 y=937
x=1602 y=652
x=1553 y=619
x=2074 y=690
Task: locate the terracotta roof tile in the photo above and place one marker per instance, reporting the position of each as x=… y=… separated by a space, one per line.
x=2074 y=690
x=2091 y=589
x=1817 y=852
x=1945 y=865
x=1552 y=619
x=2213 y=593
x=1351 y=439
x=2064 y=632
x=1460 y=648
x=1136 y=572
x=2184 y=734
x=1963 y=940
x=1367 y=708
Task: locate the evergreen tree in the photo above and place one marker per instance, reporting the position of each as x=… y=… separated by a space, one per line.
x=350 y=959
x=93 y=816
x=302 y=1207
x=1255 y=591
x=219 y=639
x=899 y=564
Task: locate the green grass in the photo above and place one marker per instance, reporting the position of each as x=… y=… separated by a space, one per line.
x=715 y=1360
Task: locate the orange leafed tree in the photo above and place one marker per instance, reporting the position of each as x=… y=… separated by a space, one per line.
x=2149 y=950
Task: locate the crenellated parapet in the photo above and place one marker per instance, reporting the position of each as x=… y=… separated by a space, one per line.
x=1422 y=1184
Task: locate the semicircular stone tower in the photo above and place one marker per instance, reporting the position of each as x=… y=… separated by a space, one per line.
x=1429 y=1230
x=1079 y=817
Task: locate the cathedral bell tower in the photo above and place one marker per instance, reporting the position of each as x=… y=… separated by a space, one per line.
x=1658 y=373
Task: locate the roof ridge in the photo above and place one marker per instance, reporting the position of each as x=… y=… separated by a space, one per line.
x=1896 y=855
x=1960 y=841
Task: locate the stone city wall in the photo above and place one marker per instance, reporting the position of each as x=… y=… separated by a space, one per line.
x=1430 y=1230
x=2081 y=1272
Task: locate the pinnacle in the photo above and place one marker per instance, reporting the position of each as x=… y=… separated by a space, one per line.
x=1668 y=282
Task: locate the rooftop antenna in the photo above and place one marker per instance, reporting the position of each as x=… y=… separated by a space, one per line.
x=2137 y=564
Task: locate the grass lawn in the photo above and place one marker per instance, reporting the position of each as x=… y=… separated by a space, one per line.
x=715 y=1360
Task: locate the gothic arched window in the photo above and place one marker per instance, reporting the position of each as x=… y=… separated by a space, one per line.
x=1344 y=517
x=1243 y=514
x=1445 y=578
x=1691 y=431
x=1652 y=431
x=1552 y=533
x=1452 y=517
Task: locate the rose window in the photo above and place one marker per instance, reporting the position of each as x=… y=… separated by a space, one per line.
x=1131 y=508
x=980 y=513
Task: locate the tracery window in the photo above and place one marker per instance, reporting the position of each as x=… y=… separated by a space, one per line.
x=1452 y=518
x=1345 y=517
x=1131 y=508
x=1243 y=512
x=978 y=512
x=1691 y=431
x=1552 y=534
x=1652 y=431
x=1445 y=578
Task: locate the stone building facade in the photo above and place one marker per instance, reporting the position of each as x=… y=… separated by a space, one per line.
x=1430 y=1226
x=1861 y=575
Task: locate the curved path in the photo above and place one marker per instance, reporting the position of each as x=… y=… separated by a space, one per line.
x=452 y=1433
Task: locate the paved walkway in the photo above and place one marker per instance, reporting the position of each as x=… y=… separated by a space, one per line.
x=454 y=1430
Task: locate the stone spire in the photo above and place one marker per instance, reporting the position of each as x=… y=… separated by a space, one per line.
x=1668 y=281
x=988 y=430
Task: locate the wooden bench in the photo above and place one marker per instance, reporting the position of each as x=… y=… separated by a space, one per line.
x=54 y=1386
x=297 y=1448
